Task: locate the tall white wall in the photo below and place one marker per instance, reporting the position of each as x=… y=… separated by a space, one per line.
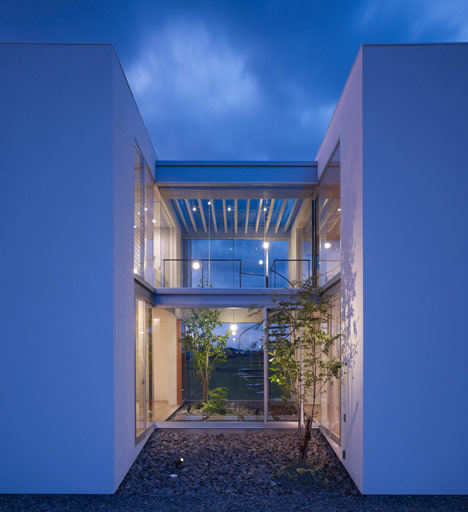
x=67 y=361
x=56 y=281
x=415 y=121
x=128 y=128
x=346 y=129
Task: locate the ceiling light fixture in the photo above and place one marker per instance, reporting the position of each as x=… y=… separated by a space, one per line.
x=196 y=265
x=266 y=245
x=327 y=245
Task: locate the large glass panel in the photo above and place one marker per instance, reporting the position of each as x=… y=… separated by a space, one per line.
x=240 y=237
x=139 y=215
x=140 y=367
x=329 y=219
x=240 y=374
x=281 y=406
x=149 y=228
x=149 y=363
x=335 y=384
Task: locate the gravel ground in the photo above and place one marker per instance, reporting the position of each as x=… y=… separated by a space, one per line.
x=245 y=471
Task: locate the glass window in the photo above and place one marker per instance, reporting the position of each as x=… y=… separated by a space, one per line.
x=249 y=237
x=330 y=399
x=139 y=215
x=144 y=395
x=329 y=222
x=140 y=367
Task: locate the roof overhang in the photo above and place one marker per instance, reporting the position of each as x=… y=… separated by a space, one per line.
x=235 y=173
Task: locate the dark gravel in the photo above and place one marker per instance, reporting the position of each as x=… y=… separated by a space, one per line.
x=245 y=471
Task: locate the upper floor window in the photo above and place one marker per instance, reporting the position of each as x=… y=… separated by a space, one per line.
x=329 y=221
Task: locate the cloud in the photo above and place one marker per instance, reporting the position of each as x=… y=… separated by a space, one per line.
x=422 y=18
x=206 y=94
x=187 y=65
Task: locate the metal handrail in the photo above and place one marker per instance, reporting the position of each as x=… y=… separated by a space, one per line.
x=202 y=260
x=272 y=268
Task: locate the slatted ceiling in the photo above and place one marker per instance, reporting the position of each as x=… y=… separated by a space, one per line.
x=247 y=217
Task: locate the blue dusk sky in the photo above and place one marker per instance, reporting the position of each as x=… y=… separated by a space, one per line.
x=236 y=80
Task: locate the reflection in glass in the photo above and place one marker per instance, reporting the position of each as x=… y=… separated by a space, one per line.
x=140 y=367
x=241 y=373
x=329 y=219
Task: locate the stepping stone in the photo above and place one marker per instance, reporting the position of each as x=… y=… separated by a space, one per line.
x=223 y=418
x=190 y=417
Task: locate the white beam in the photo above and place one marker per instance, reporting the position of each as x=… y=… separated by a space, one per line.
x=214 y=215
x=247 y=216
x=280 y=215
x=258 y=214
x=200 y=205
x=190 y=215
x=182 y=216
x=270 y=213
x=224 y=215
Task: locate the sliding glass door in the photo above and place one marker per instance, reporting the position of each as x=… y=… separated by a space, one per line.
x=143 y=366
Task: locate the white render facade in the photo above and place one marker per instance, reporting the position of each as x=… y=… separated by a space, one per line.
x=394 y=160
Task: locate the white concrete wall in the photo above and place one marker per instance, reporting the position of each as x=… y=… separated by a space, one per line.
x=67 y=378
x=416 y=276
x=56 y=329
x=346 y=129
x=127 y=129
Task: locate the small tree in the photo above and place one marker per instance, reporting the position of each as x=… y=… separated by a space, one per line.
x=207 y=348
x=299 y=348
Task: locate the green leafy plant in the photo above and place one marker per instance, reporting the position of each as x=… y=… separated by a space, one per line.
x=207 y=348
x=299 y=347
x=216 y=401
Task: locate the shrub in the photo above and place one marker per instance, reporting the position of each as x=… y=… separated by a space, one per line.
x=216 y=403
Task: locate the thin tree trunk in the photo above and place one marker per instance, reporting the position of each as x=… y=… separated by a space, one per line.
x=305 y=442
x=306 y=437
x=206 y=379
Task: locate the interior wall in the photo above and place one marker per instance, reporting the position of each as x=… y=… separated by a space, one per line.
x=416 y=281
x=346 y=129
x=56 y=375
x=165 y=355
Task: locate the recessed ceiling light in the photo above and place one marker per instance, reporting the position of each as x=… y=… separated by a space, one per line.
x=194 y=208
x=233 y=327
x=260 y=262
x=229 y=208
x=327 y=245
x=196 y=265
x=265 y=209
x=266 y=245
x=209 y=203
x=338 y=210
